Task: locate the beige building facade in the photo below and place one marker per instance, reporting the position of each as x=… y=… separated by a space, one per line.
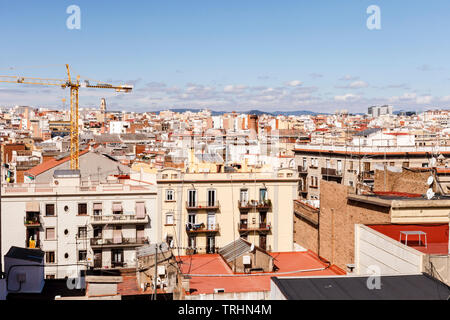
x=201 y=212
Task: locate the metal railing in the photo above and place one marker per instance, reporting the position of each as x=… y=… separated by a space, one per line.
x=254 y=226
x=118 y=242
x=197 y=205
x=118 y=218
x=264 y=204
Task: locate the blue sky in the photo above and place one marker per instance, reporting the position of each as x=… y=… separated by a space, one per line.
x=232 y=55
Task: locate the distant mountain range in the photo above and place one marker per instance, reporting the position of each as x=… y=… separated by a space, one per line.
x=257 y=112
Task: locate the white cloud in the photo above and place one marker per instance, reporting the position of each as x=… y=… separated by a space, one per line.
x=294 y=83
x=359 y=84
x=346 y=97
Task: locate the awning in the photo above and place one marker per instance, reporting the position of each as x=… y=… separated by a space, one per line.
x=32 y=206
x=97 y=206
x=117 y=207
x=140 y=210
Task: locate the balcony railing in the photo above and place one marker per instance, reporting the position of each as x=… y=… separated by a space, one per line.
x=331 y=172
x=101 y=242
x=202 y=228
x=367 y=175
x=206 y=205
x=247 y=205
x=118 y=219
x=243 y=227
x=32 y=222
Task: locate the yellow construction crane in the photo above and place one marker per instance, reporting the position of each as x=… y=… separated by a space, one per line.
x=74 y=114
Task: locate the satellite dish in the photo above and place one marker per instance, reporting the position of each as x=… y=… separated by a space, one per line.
x=252 y=247
x=430 y=194
x=430 y=180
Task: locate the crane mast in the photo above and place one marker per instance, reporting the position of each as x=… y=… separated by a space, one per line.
x=74 y=103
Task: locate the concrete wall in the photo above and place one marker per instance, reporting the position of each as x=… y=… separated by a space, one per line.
x=439 y=267
x=372 y=248
x=306 y=228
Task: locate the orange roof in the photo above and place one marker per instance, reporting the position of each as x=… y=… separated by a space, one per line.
x=47 y=165
x=219 y=275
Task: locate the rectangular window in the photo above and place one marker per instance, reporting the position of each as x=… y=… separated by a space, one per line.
x=169 y=218
x=50 y=234
x=244 y=196
x=82 y=255
x=82 y=209
x=140 y=210
x=117 y=208
x=262 y=195
x=97 y=209
x=192 y=218
x=192 y=198
x=50 y=210
x=50 y=277
x=211 y=198
x=50 y=257
x=170 y=195
x=82 y=232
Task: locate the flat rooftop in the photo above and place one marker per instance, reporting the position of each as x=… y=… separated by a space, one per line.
x=437 y=236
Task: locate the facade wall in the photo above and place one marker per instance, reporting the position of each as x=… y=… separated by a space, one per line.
x=66 y=223
x=337 y=219
x=306 y=227
x=280 y=191
x=350 y=169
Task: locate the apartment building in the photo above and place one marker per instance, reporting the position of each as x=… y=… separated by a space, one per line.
x=74 y=223
x=200 y=212
x=354 y=165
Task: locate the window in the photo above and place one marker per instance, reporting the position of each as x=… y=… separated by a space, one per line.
x=169 y=218
x=82 y=209
x=169 y=240
x=192 y=198
x=82 y=255
x=244 y=195
x=82 y=232
x=98 y=231
x=117 y=208
x=50 y=210
x=262 y=194
x=192 y=218
x=192 y=242
x=50 y=277
x=405 y=164
x=50 y=257
x=50 y=234
x=211 y=197
x=170 y=195
x=97 y=209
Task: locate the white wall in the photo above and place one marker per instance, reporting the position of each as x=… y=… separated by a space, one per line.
x=373 y=248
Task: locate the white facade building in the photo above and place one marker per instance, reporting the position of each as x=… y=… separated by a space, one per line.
x=86 y=225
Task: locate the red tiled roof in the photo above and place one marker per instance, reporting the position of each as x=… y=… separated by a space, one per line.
x=219 y=275
x=47 y=165
x=437 y=236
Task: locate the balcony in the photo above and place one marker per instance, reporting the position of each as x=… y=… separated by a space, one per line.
x=332 y=172
x=121 y=242
x=253 y=204
x=118 y=219
x=260 y=227
x=302 y=170
x=367 y=175
x=32 y=222
x=201 y=228
x=206 y=205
